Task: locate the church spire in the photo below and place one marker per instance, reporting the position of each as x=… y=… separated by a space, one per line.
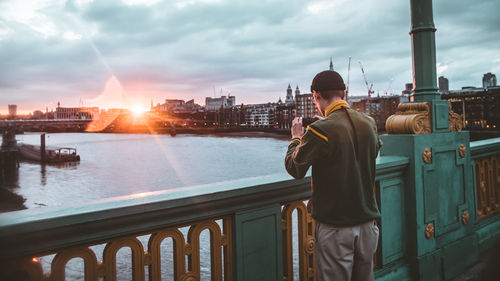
x=289 y=96
x=331 y=64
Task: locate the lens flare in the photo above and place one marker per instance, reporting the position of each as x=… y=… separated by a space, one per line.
x=137 y=110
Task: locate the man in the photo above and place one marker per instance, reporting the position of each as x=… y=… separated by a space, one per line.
x=341 y=148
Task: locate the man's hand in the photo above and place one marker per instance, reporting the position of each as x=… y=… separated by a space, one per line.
x=297 y=129
x=318 y=117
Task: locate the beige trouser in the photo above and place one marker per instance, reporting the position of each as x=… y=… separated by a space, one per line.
x=345 y=253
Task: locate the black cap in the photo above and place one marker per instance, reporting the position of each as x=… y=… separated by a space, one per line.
x=327 y=80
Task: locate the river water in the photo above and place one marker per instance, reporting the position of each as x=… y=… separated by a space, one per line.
x=122 y=164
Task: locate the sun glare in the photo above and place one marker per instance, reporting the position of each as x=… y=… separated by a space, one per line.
x=137 y=110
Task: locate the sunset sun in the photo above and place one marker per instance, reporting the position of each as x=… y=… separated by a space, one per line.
x=137 y=110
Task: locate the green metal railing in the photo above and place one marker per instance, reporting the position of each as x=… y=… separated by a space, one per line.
x=250 y=226
x=251 y=213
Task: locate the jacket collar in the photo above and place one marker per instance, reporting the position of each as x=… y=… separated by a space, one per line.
x=335 y=106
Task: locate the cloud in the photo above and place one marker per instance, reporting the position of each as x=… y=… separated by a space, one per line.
x=68 y=50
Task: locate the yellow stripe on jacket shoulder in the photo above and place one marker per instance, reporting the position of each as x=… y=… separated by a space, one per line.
x=317 y=133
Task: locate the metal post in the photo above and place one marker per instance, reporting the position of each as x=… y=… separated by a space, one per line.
x=423 y=51
x=424 y=64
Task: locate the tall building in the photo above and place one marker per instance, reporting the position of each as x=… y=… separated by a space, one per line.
x=331 y=64
x=12 y=110
x=443 y=84
x=489 y=80
x=305 y=106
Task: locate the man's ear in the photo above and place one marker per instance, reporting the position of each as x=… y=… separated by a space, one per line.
x=316 y=95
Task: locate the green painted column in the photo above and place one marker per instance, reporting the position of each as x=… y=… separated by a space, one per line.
x=424 y=64
x=423 y=51
x=439 y=188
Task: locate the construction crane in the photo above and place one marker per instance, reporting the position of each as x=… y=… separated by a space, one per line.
x=370 y=92
x=348 y=74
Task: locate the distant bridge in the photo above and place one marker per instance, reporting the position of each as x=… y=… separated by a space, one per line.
x=46 y=124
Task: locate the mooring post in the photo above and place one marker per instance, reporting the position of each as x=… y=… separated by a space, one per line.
x=42 y=148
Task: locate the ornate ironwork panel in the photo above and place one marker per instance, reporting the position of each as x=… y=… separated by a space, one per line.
x=305 y=236
x=305 y=227
x=221 y=256
x=488 y=186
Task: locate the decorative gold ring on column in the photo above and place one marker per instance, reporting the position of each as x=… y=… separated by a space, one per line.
x=462 y=150
x=310 y=246
x=427 y=156
x=429 y=231
x=465 y=217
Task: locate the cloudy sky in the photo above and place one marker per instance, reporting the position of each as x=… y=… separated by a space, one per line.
x=129 y=52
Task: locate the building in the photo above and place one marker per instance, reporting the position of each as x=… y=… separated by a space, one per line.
x=170 y=105
x=479 y=107
x=229 y=117
x=259 y=115
x=381 y=107
x=290 y=100
x=12 y=111
x=305 y=105
x=214 y=104
x=407 y=90
x=284 y=115
x=443 y=84
x=83 y=113
x=176 y=106
x=489 y=80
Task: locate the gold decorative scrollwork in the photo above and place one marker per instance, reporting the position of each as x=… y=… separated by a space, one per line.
x=427 y=156
x=456 y=121
x=410 y=118
x=309 y=246
x=429 y=231
x=58 y=265
x=488 y=186
x=462 y=150
x=465 y=217
x=220 y=252
x=306 y=240
x=215 y=248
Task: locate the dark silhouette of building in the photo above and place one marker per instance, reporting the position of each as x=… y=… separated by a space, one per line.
x=489 y=80
x=12 y=111
x=443 y=84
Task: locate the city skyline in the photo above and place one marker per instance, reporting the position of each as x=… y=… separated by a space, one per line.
x=126 y=53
